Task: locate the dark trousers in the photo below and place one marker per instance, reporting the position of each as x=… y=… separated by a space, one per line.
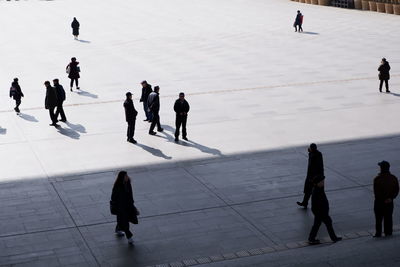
x=300 y=28
x=60 y=111
x=147 y=113
x=180 y=120
x=72 y=82
x=123 y=225
x=386 y=85
x=17 y=102
x=383 y=212
x=131 y=129
x=318 y=219
x=308 y=187
x=52 y=115
x=155 y=121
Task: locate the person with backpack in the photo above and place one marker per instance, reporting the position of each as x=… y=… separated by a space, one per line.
x=16 y=94
x=75 y=28
x=73 y=72
x=298 y=21
x=60 y=100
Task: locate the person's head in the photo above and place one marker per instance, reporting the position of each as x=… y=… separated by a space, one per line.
x=156 y=89
x=122 y=178
x=128 y=95
x=74 y=18
x=181 y=96
x=385 y=166
x=47 y=83
x=298 y=11
x=143 y=83
x=383 y=60
x=73 y=59
x=56 y=82
x=15 y=79
x=312 y=147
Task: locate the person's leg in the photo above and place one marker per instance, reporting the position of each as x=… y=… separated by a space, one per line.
x=184 y=133
x=159 y=128
x=315 y=228
x=146 y=112
x=153 y=123
x=71 y=83
x=60 y=110
x=77 y=83
x=129 y=132
x=52 y=115
x=378 y=218
x=388 y=219
x=295 y=27
x=133 y=128
x=178 y=123
x=17 y=103
x=300 y=28
x=380 y=85
x=387 y=85
x=328 y=223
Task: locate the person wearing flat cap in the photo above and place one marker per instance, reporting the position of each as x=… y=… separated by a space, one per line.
x=130 y=116
x=386 y=189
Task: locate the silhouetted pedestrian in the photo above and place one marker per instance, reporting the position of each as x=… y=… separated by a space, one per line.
x=386 y=189
x=298 y=21
x=51 y=102
x=153 y=102
x=130 y=116
x=123 y=205
x=73 y=72
x=60 y=100
x=75 y=28
x=181 y=107
x=16 y=94
x=146 y=91
x=320 y=209
x=315 y=170
x=384 y=75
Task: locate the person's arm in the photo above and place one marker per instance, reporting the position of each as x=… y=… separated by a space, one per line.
x=176 y=107
x=188 y=107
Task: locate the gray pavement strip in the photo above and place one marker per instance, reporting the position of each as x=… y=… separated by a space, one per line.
x=263 y=250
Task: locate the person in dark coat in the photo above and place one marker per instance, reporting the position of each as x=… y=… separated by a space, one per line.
x=16 y=94
x=315 y=170
x=181 y=108
x=146 y=91
x=75 y=28
x=130 y=116
x=153 y=102
x=386 y=189
x=384 y=75
x=122 y=198
x=73 y=72
x=298 y=21
x=320 y=209
x=60 y=100
x=51 y=102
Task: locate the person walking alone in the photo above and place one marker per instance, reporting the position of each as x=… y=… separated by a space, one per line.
x=60 y=100
x=153 y=102
x=386 y=189
x=73 y=72
x=181 y=107
x=75 y=28
x=51 y=102
x=16 y=94
x=146 y=91
x=130 y=116
x=384 y=75
x=315 y=170
x=123 y=205
x=298 y=21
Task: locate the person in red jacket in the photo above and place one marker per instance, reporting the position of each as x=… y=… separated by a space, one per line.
x=386 y=189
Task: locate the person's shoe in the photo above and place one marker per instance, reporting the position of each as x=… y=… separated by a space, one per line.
x=160 y=130
x=389 y=234
x=387 y=91
x=184 y=138
x=130 y=241
x=152 y=133
x=133 y=141
x=16 y=110
x=314 y=242
x=71 y=89
x=301 y=204
x=377 y=235
x=78 y=88
x=176 y=139
x=337 y=239
x=380 y=91
x=63 y=120
x=146 y=120
x=54 y=124
x=119 y=233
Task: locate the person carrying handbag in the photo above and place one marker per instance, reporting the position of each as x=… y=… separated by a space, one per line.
x=122 y=205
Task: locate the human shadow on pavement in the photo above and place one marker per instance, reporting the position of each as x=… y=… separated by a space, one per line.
x=28 y=117
x=311 y=33
x=3 y=130
x=394 y=94
x=189 y=143
x=69 y=132
x=76 y=127
x=154 y=151
x=86 y=93
x=84 y=41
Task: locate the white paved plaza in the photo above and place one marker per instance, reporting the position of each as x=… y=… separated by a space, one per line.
x=259 y=93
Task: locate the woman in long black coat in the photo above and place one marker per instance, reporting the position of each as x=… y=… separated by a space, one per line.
x=75 y=28
x=123 y=203
x=73 y=72
x=384 y=75
x=16 y=93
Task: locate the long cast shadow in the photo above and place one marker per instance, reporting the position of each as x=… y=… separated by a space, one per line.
x=86 y=93
x=76 y=127
x=28 y=117
x=69 y=132
x=3 y=130
x=394 y=94
x=311 y=33
x=84 y=41
x=154 y=151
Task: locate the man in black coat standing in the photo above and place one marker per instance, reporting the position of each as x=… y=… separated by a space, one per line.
x=153 y=102
x=315 y=170
x=75 y=28
x=16 y=93
x=146 y=91
x=181 y=107
x=60 y=100
x=130 y=116
x=384 y=75
x=320 y=209
x=51 y=102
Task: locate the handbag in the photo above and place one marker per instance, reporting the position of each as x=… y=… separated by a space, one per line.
x=113 y=207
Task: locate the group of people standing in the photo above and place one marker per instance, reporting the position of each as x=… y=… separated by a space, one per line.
x=386 y=189
x=151 y=107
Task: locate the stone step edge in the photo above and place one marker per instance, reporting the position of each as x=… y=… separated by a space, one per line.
x=263 y=250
